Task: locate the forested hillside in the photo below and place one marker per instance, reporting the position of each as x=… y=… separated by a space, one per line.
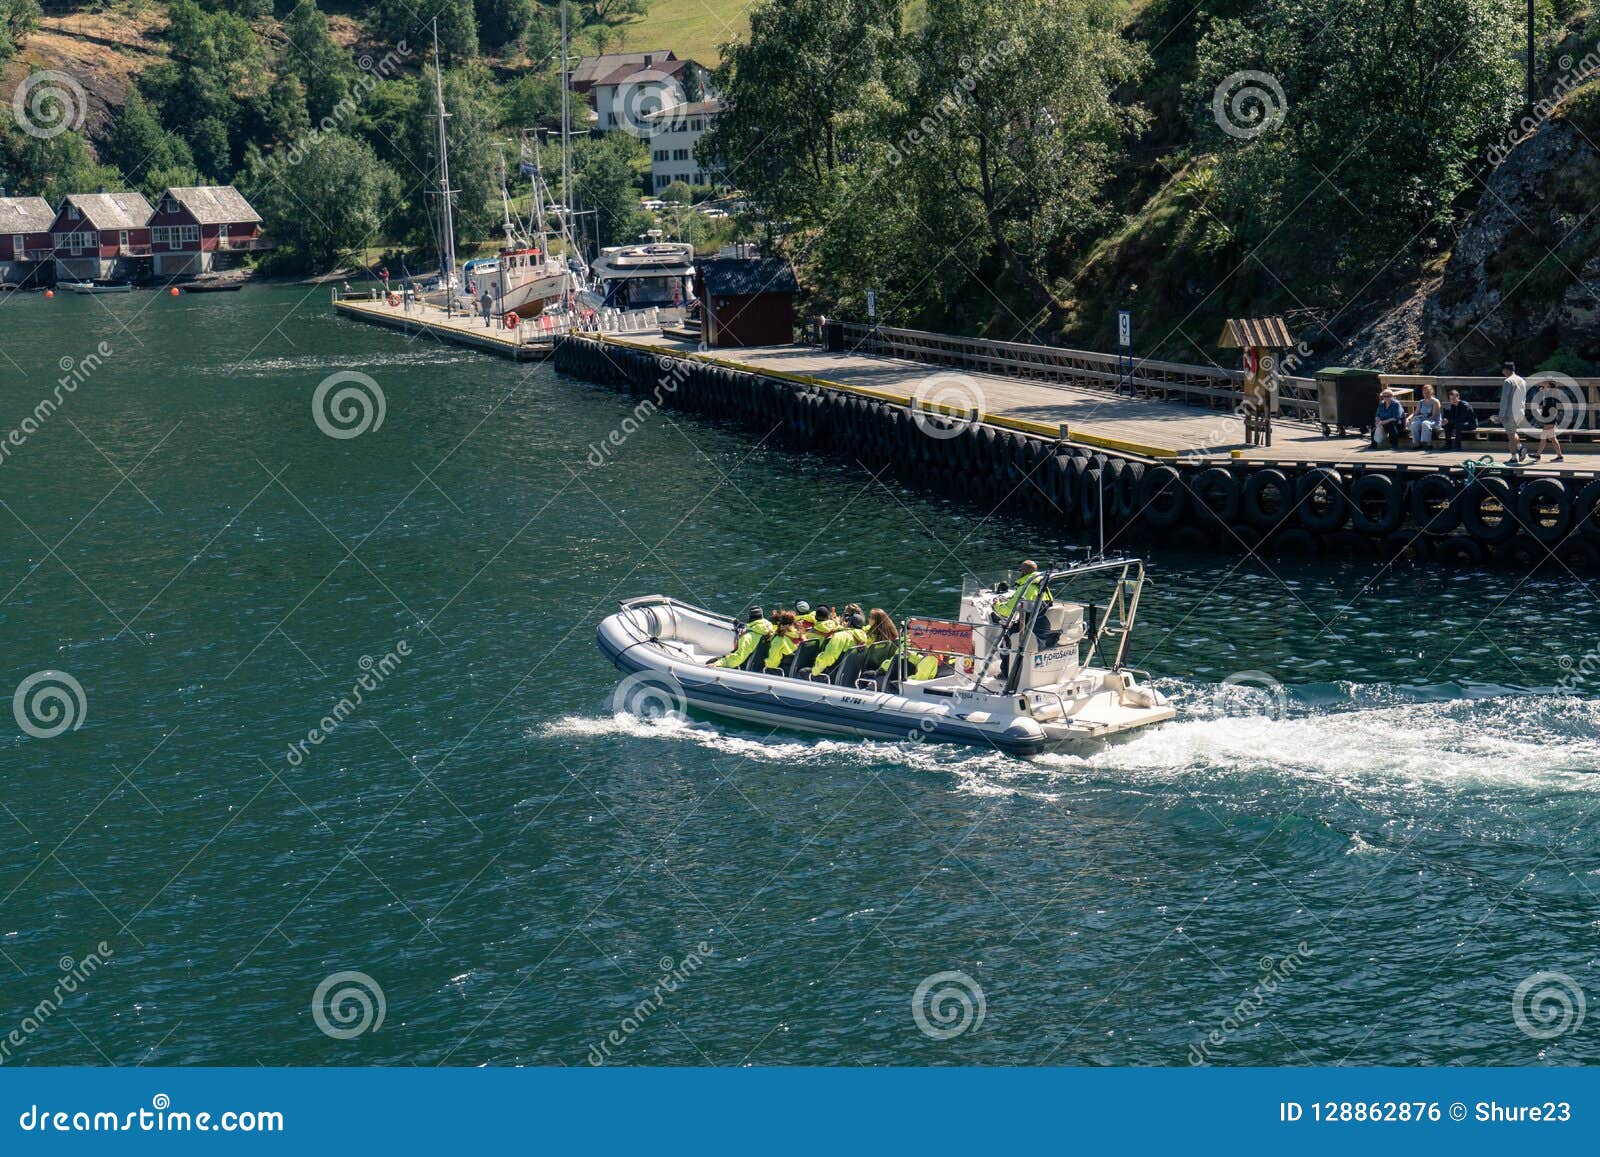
x=1017 y=168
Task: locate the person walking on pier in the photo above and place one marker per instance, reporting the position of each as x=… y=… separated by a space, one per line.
x=486 y=305
x=1459 y=419
x=1513 y=405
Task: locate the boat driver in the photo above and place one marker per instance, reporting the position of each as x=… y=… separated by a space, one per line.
x=756 y=628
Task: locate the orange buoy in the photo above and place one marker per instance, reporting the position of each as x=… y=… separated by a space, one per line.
x=394 y=300
x=49 y=293
x=173 y=291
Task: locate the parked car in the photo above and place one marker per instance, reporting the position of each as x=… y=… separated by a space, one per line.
x=712 y=211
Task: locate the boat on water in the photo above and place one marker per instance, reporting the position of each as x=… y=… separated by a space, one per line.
x=654 y=273
x=97 y=286
x=229 y=285
x=1050 y=674
x=524 y=277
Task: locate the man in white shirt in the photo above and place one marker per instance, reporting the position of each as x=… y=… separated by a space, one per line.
x=1513 y=408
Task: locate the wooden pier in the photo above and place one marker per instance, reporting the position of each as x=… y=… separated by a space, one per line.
x=1071 y=438
x=532 y=339
x=1093 y=415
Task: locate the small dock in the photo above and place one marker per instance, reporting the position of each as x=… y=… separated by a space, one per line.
x=532 y=339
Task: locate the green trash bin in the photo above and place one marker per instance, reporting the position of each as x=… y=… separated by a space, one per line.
x=1347 y=396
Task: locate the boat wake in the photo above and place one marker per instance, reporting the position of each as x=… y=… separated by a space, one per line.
x=1347 y=734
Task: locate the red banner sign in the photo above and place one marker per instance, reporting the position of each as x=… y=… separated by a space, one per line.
x=939 y=635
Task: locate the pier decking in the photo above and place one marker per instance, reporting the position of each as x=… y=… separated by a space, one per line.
x=1144 y=427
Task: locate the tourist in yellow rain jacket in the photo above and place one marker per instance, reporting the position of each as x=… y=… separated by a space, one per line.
x=786 y=635
x=853 y=634
x=756 y=628
x=817 y=624
x=923 y=666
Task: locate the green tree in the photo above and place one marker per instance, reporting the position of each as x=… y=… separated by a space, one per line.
x=801 y=96
x=322 y=66
x=412 y=22
x=474 y=142
x=1014 y=128
x=1383 y=110
x=531 y=101
x=17 y=19
x=607 y=179
x=137 y=144
x=31 y=166
x=324 y=200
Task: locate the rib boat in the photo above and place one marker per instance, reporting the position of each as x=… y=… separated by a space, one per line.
x=1050 y=675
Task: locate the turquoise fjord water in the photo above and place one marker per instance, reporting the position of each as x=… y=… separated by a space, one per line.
x=1365 y=875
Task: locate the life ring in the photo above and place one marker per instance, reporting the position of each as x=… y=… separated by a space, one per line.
x=1266 y=499
x=1376 y=504
x=1161 y=497
x=1545 y=509
x=394 y=300
x=1489 y=528
x=511 y=320
x=1435 y=504
x=1323 y=506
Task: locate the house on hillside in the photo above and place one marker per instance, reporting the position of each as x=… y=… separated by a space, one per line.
x=100 y=235
x=674 y=132
x=198 y=228
x=591 y=69
x=24 y=239
x=626 y=96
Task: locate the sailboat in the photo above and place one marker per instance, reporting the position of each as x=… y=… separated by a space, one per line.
x=525 y=277
x=448 y=287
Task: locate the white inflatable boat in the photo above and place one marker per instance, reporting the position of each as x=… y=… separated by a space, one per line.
x=1050 y=675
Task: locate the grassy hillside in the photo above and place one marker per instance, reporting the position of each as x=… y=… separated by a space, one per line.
x=691 y=28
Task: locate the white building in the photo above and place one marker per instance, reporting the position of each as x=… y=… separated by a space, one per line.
x=674 y=132
x=628 y=96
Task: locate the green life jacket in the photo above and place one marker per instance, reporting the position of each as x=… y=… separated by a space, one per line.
x=1027 y=588
x=749 y=638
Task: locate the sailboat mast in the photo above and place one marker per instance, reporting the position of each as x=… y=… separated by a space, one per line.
x=447 y=247
x=566 y=124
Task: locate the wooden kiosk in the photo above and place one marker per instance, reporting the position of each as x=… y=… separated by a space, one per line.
x=1259 y=338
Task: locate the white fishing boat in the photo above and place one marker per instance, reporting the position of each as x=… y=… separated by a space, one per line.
x=525 y=277
x=1052 y=673
x=654 y=273
x=96 y=287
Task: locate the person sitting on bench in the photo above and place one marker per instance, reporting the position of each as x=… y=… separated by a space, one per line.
x=1389 y=423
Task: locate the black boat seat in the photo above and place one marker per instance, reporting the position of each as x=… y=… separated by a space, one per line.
x=805 y=656
x=848 y=668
